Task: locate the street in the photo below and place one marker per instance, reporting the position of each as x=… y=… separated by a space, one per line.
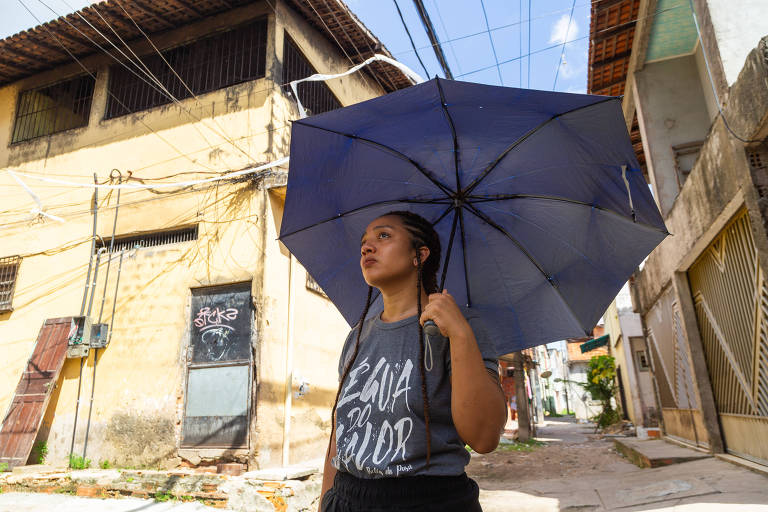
x=576 y=471
x=569 y=468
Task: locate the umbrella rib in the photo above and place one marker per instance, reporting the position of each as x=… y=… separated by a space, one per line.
x=442 y=215
x=447 y=191
x=448 y=251
x=453 y=133
x=522 y=139
x=522 y=249
x=505 y=197
x=464 y=255
x=369 y=205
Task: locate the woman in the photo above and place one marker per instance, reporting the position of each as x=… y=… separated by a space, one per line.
x=408 y=403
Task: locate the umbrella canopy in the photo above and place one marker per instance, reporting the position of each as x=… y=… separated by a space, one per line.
x=540 y=204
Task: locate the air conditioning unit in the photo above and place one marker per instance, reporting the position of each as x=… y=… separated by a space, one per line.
x=79 y=337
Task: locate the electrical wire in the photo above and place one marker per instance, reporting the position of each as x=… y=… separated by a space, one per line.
x=520 y=45
x=158 y=86
x=529 y=44
x=343 y=50
x=408 y=32
x=92 y=75
x=448 y=40
x=565 y=40
x=712 y=82
x=226 y=135
x=541 y=50
x=490 y=38
x=249 y=170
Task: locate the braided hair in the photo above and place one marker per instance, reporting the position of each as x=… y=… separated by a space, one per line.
x=422 y=234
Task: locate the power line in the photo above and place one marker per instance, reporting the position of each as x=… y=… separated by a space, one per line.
x=402 y=20
x=89 y=73
x=447 y=35
x=541 y=50
x=159 y=87
x=520 y=45
x=490 y=38
x=712 y=82
x=565 y=39
x=529 y=44
x=432 y=35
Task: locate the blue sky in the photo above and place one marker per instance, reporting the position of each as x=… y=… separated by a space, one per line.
x=461 y=27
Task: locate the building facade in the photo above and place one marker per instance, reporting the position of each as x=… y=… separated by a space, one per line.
x=633 y=370
x=220 y=346
x=694 y=81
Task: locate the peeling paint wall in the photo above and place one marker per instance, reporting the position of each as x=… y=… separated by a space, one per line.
x=139 y=390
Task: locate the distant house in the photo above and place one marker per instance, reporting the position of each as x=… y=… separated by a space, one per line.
x=582 y=404
x=221 y=346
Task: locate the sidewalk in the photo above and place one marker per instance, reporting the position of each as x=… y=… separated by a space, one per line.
x=579 y=471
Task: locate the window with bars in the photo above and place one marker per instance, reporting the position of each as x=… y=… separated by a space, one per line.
x=126 y=243
x=208 y=64
x=313 y=286
x=9 y=270
x=315 y=96
x=53 y=108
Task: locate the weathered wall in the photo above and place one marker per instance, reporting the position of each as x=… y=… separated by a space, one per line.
x=719 y=183
x=671 y=111
x=139 y=393
x=738 y=28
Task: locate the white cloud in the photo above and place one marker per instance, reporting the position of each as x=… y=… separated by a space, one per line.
x=561 y=32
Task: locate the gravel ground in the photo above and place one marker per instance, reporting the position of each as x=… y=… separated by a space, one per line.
x=569 y=449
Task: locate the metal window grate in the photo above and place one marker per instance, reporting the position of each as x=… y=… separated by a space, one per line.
x=208 y=64
x=313 y=286
x=315 y=96
x=54 y=108
x=9 y=270
x=126 y=243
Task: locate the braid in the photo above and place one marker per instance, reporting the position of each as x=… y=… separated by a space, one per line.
x=422 y=369
x=348 y=367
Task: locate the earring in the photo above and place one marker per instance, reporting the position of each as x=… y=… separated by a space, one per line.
x=415 y=262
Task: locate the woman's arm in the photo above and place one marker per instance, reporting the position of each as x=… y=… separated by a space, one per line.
x=329 y=472
x=478 y=406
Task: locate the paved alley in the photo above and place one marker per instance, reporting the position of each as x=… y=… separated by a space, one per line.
x=575 y=470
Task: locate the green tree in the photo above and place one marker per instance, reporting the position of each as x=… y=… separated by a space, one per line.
x=601 y=384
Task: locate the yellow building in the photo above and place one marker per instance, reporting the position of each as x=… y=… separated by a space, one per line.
x=636 y=392
x=221 y=347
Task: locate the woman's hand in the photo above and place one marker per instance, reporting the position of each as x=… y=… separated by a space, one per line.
x=443 y=310
x=478 y=406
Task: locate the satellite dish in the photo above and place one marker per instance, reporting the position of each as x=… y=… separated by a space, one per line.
x=546 y=374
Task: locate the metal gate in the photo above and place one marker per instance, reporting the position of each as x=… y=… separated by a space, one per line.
x=731 y=299
x=680 y=409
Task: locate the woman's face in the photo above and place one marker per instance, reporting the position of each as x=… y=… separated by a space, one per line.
x=386 y=252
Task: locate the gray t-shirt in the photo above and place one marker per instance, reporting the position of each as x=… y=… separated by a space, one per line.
x=380 y=430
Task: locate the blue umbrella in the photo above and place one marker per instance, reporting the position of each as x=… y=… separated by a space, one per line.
x=539 y=201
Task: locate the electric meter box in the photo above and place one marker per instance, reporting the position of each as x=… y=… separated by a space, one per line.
x=99 y=335
x=79 y=337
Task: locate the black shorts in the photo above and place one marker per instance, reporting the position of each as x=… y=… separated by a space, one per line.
x=415 y=493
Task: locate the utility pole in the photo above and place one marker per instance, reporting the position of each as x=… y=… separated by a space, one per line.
x=432 y=35
x=523 y=416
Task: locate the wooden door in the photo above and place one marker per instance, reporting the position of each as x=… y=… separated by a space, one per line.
x=25 y=414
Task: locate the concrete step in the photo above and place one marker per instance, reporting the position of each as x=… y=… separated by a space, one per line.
x=654 y=453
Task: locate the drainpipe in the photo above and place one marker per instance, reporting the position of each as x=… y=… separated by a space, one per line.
x=101 y=310
x=82 y=310
x=289 y=360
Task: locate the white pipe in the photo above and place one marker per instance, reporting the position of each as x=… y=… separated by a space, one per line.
x=289 y=361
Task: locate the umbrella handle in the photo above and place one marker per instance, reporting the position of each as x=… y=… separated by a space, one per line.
x=431 y=328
